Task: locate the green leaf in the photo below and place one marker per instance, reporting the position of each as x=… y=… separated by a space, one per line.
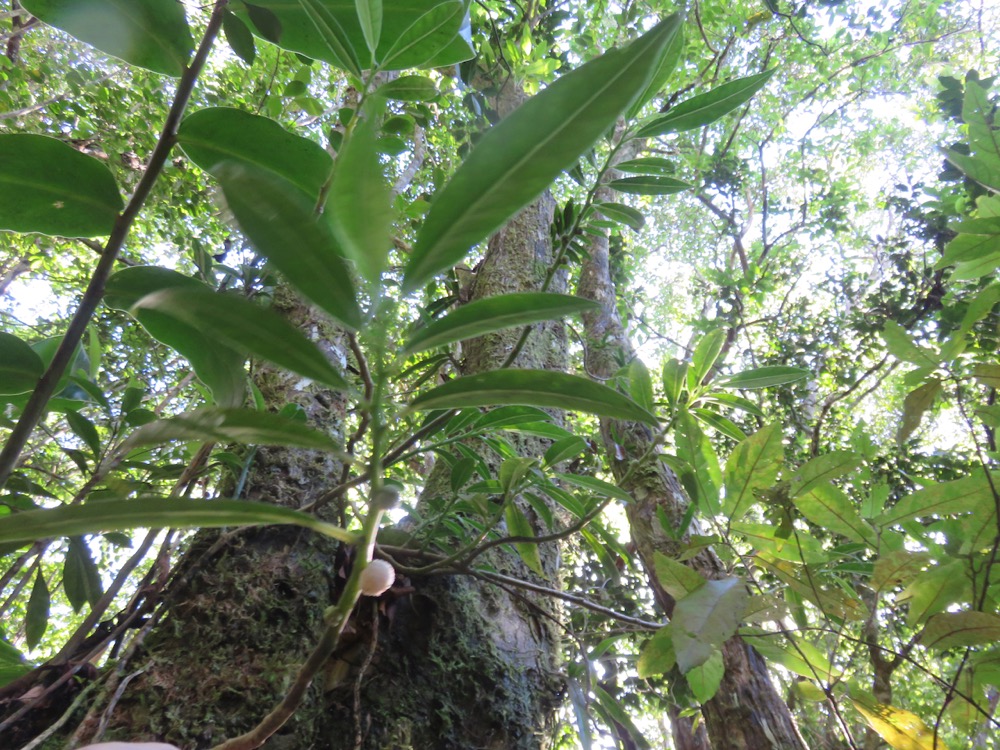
x=218 y=366
x=960 y=629
x=243 y=325
x=674 y=375
x=705 y=619
x=518 y=525
x=651 y=165
x=359 y=207
x=20 y=366
x=898 y=568
x=152 y=34
x=704 y=679
x=935 y=589
x=670 y=56
x=36 y=616
x=84 y=429
x=640 y=385
x=901 y=346
x=971 y=494
x=240 y=38
x=117 y=515
x=657 y=655
x=414 y=33
x=708 y=107
x=410 y=88
x=49 y=187
x=81 y=579
x=987 y=374
x=753 y=465
x=694 y=448
x=829 y=506
x=597 y=486
x=233 y=426
x=543 y=388
x=421 y=43
x=705 y=355
x=518 y=158
x=216 y=136
x=265 y=21
x=615 y=715
x=622 y=214
x=333 y=35
x=794 y=654
x=675 y=578
x=564 y=449
x=915 y=405
x=281 y=223
x=821 y=470
x=494 y=314
x=370 y=16
x=649 y=185
x=765 y=377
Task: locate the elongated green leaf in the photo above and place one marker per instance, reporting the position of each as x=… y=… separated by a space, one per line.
x=333 y=34
x=708 y=107
x=829 y=506
x=219 y=367
x=215 y=136
x=897 y=568
x=526 y=151
x=493 y=314
x=518 y=525
x=409 y=89
x=794 y=654
x=49 y=187
x=623 y=214
x=243 y=325
x=233 y=425
x=640 y=384
x=695 y=449
x=149 y=33
x=359 y=206
x=424 y=39
x=959 y=629
x=669 y=57
x=657 y=655
x=239 y=37
x=901 y=345
x=705 y=619
x=753 y=465
x=765 y=377
x=651 y=165
x=545 y=388
x=647 y=185
x=117 y=515
x=20 y=366
x=370 y=16
x=705 y=355
x=915 y=405
x=265 y=21
x=615 y=715
x=969 y=495
x=81 y=579
x=935 y=589
x=281 y=223
x=36 y=616
x=595 y=485
x=821 y=470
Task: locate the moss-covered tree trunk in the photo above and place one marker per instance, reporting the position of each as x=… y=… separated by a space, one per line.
x=746 y=712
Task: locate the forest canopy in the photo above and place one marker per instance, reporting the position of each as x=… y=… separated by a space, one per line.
x=562 y=374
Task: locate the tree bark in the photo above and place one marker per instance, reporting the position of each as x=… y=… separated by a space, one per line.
x=746 y=712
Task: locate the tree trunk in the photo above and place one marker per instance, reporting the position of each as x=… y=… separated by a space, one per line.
x=746 y=712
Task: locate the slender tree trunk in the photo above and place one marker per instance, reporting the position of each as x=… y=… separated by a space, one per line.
x=746 y=712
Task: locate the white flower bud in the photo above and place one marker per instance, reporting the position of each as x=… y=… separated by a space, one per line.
x=376 y=578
